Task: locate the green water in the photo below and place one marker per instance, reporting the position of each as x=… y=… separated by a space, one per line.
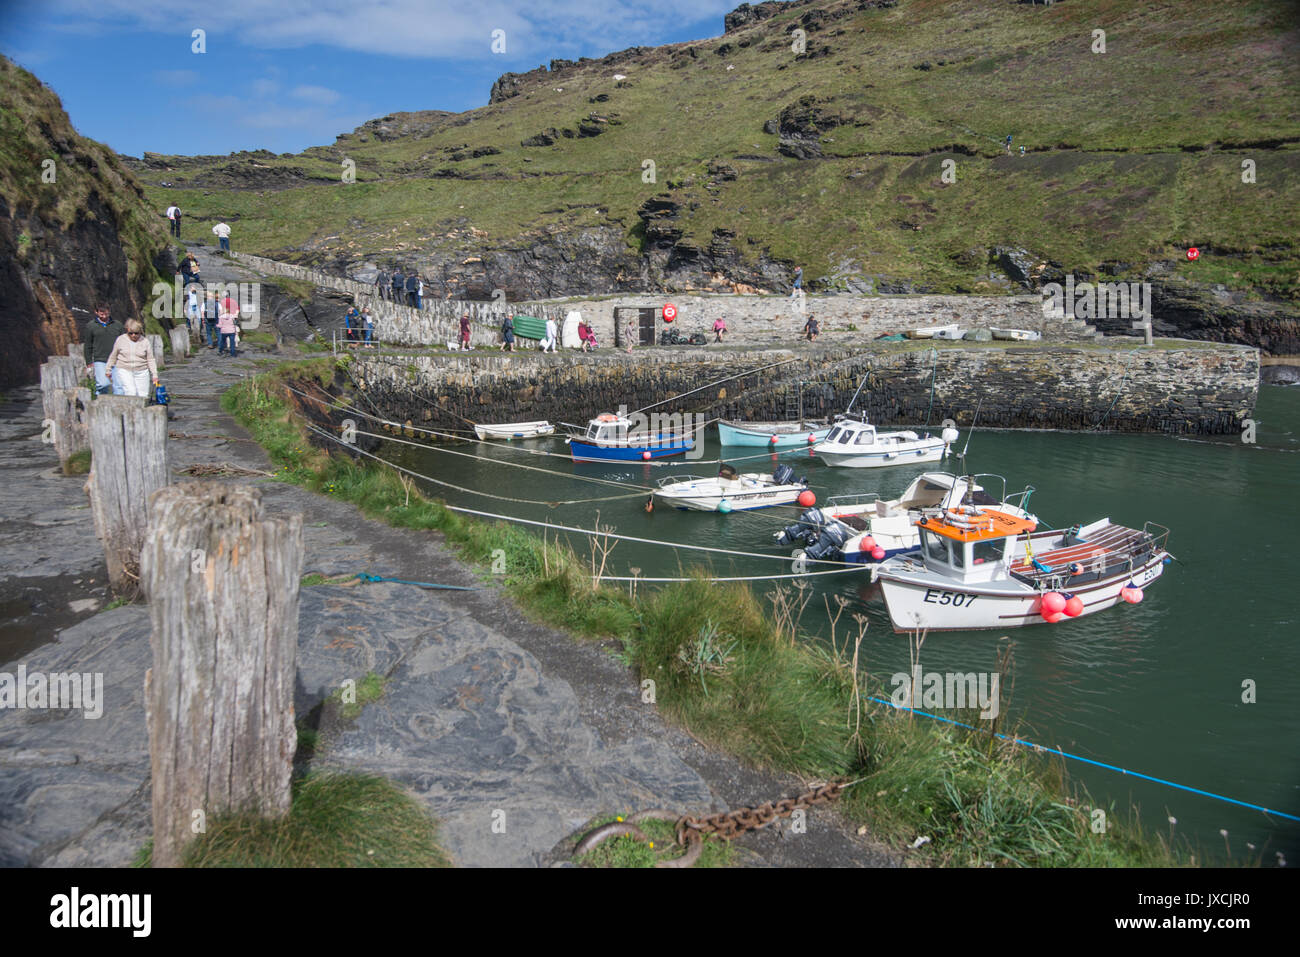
x=1155 y=688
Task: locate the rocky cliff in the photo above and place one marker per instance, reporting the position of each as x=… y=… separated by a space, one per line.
x=75 y=230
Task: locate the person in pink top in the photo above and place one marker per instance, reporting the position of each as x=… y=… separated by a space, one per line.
x=226 y=325
x=131 y=364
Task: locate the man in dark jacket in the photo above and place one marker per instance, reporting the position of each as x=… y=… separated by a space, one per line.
x=399 y=286
x=411 y=284
x=97 y=345
x=211 y=313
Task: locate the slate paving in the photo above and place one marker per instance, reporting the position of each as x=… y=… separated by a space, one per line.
x=512 y=734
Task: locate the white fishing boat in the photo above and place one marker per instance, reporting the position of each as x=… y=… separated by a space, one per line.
x=865 y=529
x=1016 y=335
x=729 y=491
x=984 y=568
x=514 y=430
x=855 y=443
x=934 y=332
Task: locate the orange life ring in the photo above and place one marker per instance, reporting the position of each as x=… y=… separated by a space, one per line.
x=606 y=417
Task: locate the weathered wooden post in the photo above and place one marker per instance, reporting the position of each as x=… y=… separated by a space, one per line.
x=155 y=340
x=59 y=372
x=222 y=583
x=128 y=449
x=70 y=422
x=180 y=336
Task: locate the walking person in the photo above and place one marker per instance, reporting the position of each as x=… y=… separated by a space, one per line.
x=508 y=333
x=174 y=218
x=381 y=281
x=811 y=329
x=98 y=339
x=552 y=333
x=797 y=290
x=210 y=313
x=410 y=291
x=464 y=331
x=1008 y=144
x=352 y=322
x=222 y=232
x=630 y=334
x=399 y=285
x=368 y=321
x=193 y=311
x=419 y=292
x=131 y=363
x=226 y=325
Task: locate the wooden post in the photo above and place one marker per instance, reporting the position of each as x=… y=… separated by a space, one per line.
x=128 y=448
x=180 y=336
x=71 y=417
x=60 y=372
x=155 y=340
x=222 y=583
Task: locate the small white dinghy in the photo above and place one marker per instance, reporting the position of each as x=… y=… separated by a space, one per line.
x=1016 y=335
x=729 y=491
x=856 y=444
x=514 y=430
x=949 y=331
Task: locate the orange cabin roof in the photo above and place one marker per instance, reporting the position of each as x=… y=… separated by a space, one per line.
x=990 y=523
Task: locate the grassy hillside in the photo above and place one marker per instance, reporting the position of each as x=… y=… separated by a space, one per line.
x=86 y=174
x=1133 y=154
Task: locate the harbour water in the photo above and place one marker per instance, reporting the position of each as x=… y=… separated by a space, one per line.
x=1161 y=688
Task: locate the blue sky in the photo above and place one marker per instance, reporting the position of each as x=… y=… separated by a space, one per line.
x=288 y=75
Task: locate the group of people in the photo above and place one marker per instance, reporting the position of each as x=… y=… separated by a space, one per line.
x=118 y=356
x=403 y=289
x=360 y=326
x=549 y=343
x=215 y=322
x=221 y=230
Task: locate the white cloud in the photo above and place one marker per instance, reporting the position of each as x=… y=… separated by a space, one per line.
x=461 y=29
x=315 y=94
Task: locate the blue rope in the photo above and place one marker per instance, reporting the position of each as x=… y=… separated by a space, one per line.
x=1100 y=764
x=402 y=581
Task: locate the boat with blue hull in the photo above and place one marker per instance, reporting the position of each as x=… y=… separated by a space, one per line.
x=612 y=438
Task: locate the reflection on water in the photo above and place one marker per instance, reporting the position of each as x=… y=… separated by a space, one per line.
x=1155 y=688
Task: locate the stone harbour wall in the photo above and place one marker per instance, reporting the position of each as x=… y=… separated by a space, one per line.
x=1193 y=388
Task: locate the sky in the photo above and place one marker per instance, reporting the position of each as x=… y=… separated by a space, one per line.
x=288 y=75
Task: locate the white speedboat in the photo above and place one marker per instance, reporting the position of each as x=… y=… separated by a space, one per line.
x=855 y=443
x=729 y=491
x=866 y=529
x=1016 y=335
x=985 y=568
x=514 y=430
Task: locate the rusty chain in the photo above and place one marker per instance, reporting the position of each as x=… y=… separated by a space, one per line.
x=691 y=831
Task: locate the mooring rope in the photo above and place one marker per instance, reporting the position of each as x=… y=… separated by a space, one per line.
x=568 y=528
x=1101 y=764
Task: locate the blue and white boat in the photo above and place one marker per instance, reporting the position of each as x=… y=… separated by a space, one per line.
x=613 y=438
x=772 y=435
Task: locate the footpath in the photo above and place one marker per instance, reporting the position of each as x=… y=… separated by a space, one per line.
x=483 y=711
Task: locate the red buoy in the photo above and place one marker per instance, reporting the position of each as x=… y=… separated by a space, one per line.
x=1074 y=606
x=878 y=553
x=807 y=499
x=1053 y=617
x=646 y=455
x=1053 y=602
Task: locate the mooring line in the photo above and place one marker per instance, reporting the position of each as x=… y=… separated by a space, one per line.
x=1101 y=764
x=567 y=528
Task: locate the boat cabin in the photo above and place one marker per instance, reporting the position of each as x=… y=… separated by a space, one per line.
x=971 y=544
x=607 y=429
x=850 y=434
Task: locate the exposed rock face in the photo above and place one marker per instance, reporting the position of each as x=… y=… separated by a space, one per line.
x=64 y=249
x=801 y=125
x=747 y=14
x=397 y=125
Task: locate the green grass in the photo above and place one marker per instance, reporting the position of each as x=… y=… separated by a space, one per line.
x=1113 y=172
x=733 y=671
x=350 y=702
x=336 y=820
x=78 y=463
x=629 y=852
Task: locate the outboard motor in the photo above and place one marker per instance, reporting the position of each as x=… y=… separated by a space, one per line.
x=783 y=474
x=829 y=545
x=806 y=531
x=726 y=472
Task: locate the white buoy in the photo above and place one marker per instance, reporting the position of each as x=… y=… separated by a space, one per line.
x=949 y=436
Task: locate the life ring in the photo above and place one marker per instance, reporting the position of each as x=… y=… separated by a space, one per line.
x=606 y=417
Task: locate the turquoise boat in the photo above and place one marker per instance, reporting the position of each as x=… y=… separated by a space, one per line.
x=772 y=435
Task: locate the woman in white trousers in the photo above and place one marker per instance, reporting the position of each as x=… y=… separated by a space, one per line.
x=131 y=364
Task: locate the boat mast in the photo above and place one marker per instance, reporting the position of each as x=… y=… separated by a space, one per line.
x=855 y=395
